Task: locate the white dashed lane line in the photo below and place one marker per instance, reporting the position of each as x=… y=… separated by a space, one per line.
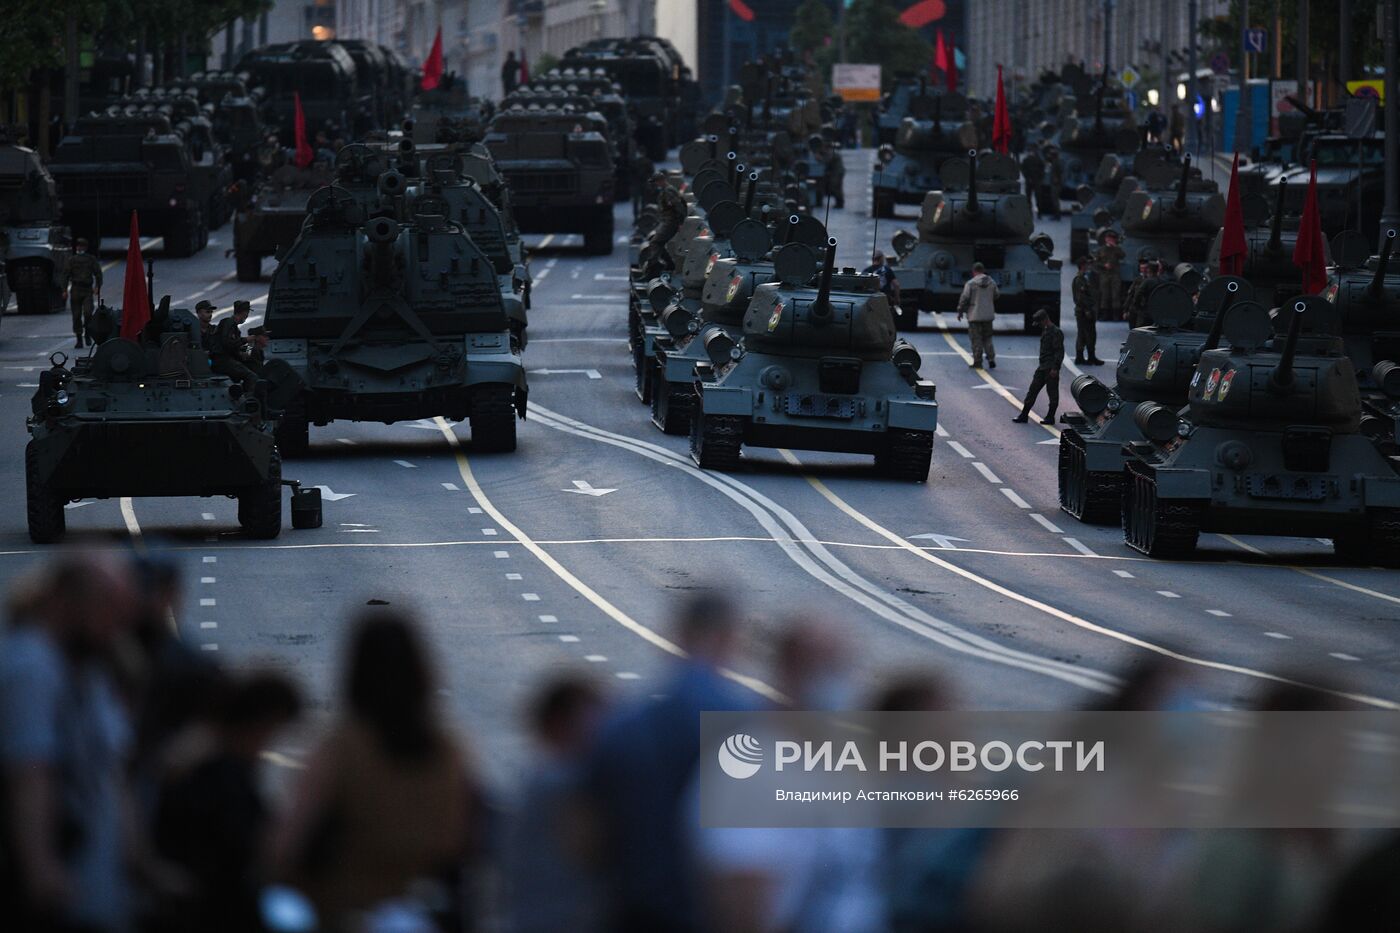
x=530 y=597
x=1080 y=546
x=1168 y=594
x=208 y=625
x=209 y=646
x=628 y=675
x=1340 y=656
x=473 y=510
x=549 y=619
x=210 y=559
x=1015 y=499
x=208 y=602
x=1218 y=613
x=489 y=532
x=1045 y=523
x=208 y=580
x=406 y=465
x=986 y=472
x=345 y=440
x=1123 y=573
x=501 y=555
x=960 y=450
x=1278 y=635
x=595 y=658
x=450 y=487
x=568 y=639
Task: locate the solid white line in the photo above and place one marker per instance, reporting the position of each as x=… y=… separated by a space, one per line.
x=960 y=450
x=1045 y=523
x=986 y=472
x=133 y=527
x=1080 y=547
x=1016 y=500
x=1219 y=613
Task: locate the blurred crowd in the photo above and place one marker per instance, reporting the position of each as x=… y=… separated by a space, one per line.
x=134 y=795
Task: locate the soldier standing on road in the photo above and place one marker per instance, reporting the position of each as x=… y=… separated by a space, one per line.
x=229 y=353
x=1086 y=315
x=1033 y=168
x=84 y=274
x=1055 y=179
x=510 y=73
x=1047 y=372
x=978 y=302
x=1108 y=258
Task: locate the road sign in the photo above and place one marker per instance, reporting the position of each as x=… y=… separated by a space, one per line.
x=1256 y=40
x=1373 y=88
x=856 y=82
x=1129 y=78
x=1220 y=63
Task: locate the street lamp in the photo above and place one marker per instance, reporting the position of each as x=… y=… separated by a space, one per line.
x=598 y=7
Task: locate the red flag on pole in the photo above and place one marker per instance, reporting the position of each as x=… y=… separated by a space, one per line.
x=951 y=74
x=1001 y=121
x=432 y=66
x=136 y=301
x=524 y=68
x=1233 y=248
x=940 y=54
x=1310 y=254
x=304 y=155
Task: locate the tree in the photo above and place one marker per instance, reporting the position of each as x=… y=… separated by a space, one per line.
x=875 y=34
x=1324 y=36
x=812 y=26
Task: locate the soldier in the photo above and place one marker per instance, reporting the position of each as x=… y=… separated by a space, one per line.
x=259 y=338
x=84 y=275
x=1033 y=169
x=889 y=284
x=1108 y=258
x=978 y=302
x=1086 y=315
x=1054 y=180
x=1047 y=371
x=205 y=312
x=229 y=352
x=835 y=174
x=1135 y=305
x=510 y=73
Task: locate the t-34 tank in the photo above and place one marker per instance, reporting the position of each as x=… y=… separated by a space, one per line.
x=1155 y=365
x=979 y=216
x=819 y=368
x=1171 y=222
x=34 y=249
x=1269 y=263
x=388 y=321
x=149 y=418
x=908 y=169
x=1270 y=443
x=729 y=284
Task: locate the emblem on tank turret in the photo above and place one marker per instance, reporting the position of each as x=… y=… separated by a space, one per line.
x=734 y=285
x=1211 y=383
x=776 y=317
x=1153 y=363
x=1225 y=381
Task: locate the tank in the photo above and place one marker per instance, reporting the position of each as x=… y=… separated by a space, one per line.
x=149 y=418
x=1155 y=366
x=120 y=161
x=1269 y=262
x=907 y=169
x=656 y=82
x=559 y=168
x=236 y=114
x=980 y=216
x=1100 y=205
x=818 y=368
x=1269 y=442
x=1171 y=219
x=1366 y=292
x=1098 y=122
x=34 y=248
x=391 y=321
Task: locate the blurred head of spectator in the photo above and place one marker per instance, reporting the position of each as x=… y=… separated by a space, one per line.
x=565 y=714
x=708 y=629
x=389 y=686
x=812 y=667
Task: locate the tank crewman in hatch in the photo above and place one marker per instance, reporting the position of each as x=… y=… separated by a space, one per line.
x=229 y=353
x=205 y=312
x=82 y=278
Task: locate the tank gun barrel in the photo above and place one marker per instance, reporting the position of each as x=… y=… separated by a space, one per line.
x=733 y=158
x=1376 y=291
x=1217 y=326
x=821 y=308
x=1180 y=204
x=972 y=205
x=1276 y=226
x=1282 y=376
x=749 y=194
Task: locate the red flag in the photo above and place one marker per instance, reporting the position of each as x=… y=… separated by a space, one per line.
x=1309 y=254
x=920 y=14
x=1233 y=248
x=952 y=73
x=304 y=154
x=1001 y=121
x=432 y=67
x=524 y=68
x=136 y=301
x=742 y=10
x=940 y=53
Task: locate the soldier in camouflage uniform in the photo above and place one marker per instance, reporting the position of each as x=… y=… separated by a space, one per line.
x=83 y=276
x=1086 y=315
x=1108 y=258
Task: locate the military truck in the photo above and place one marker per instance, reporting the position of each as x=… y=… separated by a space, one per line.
x=391 y=321
x=979 y=216
x=1349 y=196
x=322 y=73
x=818 y=368
x=1270 y=443
x=908 y=169
x=1171 y=222
x=236 y=116
x=150 y=419
x=34 y=249
x=559 y=169
x=663 y=96
x=117 y=162
x=208 y=155
x=1155 y=365
x=554 y=89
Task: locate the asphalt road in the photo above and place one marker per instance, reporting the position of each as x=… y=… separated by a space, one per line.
x=572 y=552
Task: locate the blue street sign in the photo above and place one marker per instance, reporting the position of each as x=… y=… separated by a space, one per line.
x=1256 y=40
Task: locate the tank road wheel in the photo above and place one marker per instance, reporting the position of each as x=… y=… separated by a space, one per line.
x=1156 y=527
x=715 y=440
x=260 y=507
x=293 y=432
x=671 y=406
x=1093 y=497
x=249 y=266
x=45 y=510
x=907 y=455
x=598 y=238
x=492 y=418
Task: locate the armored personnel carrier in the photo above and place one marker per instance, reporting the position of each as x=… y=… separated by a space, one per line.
x=117 y=162
x=322 y=73
x=389 y=321
x=979 y=216
x=559 y=169
x=1270 y=443
x=269 y=220
x=929 y=136
x=34 y=249
x=817 y=369
x=1171 y=222
x=150 y=419
x=1155 y=365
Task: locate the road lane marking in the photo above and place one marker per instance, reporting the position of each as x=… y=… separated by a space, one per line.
x=1080 y=547
x=530 y=597
x=628 y=675
x=942 y=324
x=515 y=576
x=1355 y=588
x=133 y=527
x=1281 y=636
x=1341 y=656
x=209 y=646
x=1168 y=594
x=451 y=487
x=595 y=658
x=489 y=532
x=501 y=555
x=209 y=559
x=986 y=472
x=473 y=510
x=406 y=465
x=563 y=573
x=568 y=639
x=208 y=625
x=1045 y=523
x=549 y=619
x=1069 y=617
x=1219 y=613
x=1123 y=573
x=207 y=580
x=1016 y=500
x=960 y=450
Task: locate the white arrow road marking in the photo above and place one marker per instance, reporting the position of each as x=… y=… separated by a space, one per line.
x=943 y=541
x=332 y=495
x=584 y=489
x=590 y=373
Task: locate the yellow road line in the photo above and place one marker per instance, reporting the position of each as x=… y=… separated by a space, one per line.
x=1355 y=588
x=133 y=527
x=987 y=377
x=1061 y=614
x=583 y=589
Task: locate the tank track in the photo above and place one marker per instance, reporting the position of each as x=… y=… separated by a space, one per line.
x=907 y=455
x=716 y=440
x=47 y=522
x=293 y=431
x=492 y=418
x=1095 y=497
x=1158 y=529
x=671 y=407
